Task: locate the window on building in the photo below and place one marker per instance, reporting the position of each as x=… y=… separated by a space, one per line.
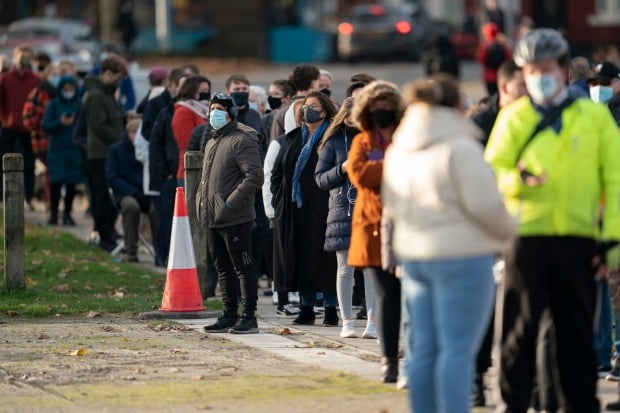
x=607 y=13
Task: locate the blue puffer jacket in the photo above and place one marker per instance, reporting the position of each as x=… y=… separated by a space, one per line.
x=329 y=177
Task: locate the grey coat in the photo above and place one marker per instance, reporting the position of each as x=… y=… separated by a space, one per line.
x=231 y=175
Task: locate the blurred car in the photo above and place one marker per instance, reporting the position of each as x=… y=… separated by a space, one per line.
x=62 y=39
x=379 y=31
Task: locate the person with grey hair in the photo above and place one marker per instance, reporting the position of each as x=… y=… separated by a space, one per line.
x=578 y=72
x=258 y=99
x=326 y=82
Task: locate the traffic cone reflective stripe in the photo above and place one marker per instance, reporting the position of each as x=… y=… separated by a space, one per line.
x=182 y=291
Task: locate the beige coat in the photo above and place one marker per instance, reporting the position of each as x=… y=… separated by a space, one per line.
x=439 y=191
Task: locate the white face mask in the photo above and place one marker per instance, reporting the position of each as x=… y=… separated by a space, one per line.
x=542 y=87
x=601 y=94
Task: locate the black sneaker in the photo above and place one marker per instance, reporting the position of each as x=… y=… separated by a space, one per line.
x=222 y=325
x=288 y=310
x=245 y=325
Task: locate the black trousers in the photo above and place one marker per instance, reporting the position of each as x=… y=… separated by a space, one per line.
x=387 y=292
x=103 y=210
x=13 y=141
x=554 y=274
x=231 y=250
x=56 y=191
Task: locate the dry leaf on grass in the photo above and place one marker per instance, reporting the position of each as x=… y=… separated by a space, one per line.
x=198 y=378
x=43 y=336
x=179 y=351
x=61 y=288
x=80 y=352
x=12 y=313
x=108 y=328
x=36 y=262
x=283 y=331
x=47 y=253
x=30 y=282
x=93 y=314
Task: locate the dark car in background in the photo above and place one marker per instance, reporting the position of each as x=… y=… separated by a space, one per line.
x=62 y=39
x=385 y=32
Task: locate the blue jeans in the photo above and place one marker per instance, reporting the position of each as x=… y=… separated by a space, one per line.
x=449 y=303
x=602 y=338
x=310 y=297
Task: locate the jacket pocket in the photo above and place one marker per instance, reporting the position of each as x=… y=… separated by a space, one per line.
x=221 y=212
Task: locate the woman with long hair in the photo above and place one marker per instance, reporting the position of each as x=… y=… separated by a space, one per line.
x=190 y=110
x=330 y=175
x=377 y=112
x=449 y=223
x=300 y=264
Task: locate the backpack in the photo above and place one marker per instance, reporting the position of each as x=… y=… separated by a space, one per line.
x=496 y=55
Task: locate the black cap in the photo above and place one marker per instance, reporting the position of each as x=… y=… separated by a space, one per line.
x=605 y=71
x=225 y=100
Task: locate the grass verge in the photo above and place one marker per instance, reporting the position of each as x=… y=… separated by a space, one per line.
x=67 y=276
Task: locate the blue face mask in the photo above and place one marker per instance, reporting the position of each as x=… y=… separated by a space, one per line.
x=254 y=106
x=54 y=80
x=217 y=118
x=601 y=94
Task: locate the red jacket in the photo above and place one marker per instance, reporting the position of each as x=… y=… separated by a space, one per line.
x=14 y=90
x=489 y=74
x=32 y=115
x=183 y=123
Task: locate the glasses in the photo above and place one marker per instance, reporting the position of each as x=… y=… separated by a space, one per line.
x=313 y=106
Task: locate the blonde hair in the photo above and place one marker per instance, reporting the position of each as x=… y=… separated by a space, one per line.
x=337 y=122
x=133 y=126
x=371 y=93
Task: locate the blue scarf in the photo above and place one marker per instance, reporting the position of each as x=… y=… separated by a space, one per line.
x=303 y=158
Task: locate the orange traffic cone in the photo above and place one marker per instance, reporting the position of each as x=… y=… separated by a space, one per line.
x=182 y=291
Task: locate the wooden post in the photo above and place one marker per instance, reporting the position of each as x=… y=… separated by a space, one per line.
x=193 y=169
x=13 y=193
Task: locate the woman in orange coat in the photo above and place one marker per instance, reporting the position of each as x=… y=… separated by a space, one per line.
x=377 y=112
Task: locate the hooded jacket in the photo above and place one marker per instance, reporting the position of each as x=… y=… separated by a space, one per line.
x=439 y=191
x=231 y=175
x=64 y=158
x=104 y=117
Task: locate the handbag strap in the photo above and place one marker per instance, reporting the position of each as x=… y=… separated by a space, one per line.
x=548 y=119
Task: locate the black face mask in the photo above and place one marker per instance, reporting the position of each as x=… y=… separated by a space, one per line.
x=351 y=131
x=41 y=68
x=204 y=96
x=240 y=98
x=326 y=92
x=274 y=102
x=312 y=116
x=382 y=118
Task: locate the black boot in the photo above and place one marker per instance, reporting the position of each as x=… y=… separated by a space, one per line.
x=477 y=396
x=53 y=219
x=389 y=369
x=306 y=316
x=331 y=317
x=613 y=406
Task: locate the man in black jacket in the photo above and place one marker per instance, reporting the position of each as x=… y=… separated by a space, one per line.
x=511 y=86
x=155 y=105
x=231 y=175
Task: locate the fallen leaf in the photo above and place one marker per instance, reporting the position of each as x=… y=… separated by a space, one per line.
x=178 y=351
x=321 y=353
x=63 y=305
x=129 y=378
x=87 y=287
x=334 y=345
x=50 y=309
x=108 y=328
x=61 y=288
x=47 y=253
x=62 y=274
x=284 y=331
x=79 y=352
x=141 y=371
x=173 y=370
x=36 y=262
x=12 y=313
x=30 y=282
x=198 y=378
x=309 y=344
x=43 y=336
x=93 y=314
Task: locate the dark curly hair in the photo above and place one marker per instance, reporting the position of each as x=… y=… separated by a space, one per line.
x=303 y=76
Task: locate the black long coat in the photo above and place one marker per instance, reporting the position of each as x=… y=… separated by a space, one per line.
x=300 y=263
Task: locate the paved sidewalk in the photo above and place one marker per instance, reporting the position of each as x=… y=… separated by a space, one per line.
x=314 y=345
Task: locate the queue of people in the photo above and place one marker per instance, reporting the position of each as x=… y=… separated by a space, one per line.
x=410 y=187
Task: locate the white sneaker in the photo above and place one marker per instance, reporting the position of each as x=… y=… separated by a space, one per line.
x=348 y=330
x=402 y=382
x=370 y=331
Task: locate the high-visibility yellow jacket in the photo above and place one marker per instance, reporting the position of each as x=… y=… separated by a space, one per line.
x=582 y=164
